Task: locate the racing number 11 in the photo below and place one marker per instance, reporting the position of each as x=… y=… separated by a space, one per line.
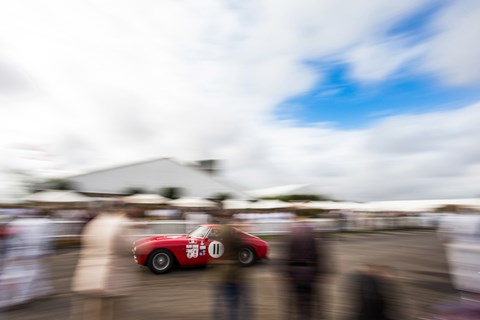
x=215 y=249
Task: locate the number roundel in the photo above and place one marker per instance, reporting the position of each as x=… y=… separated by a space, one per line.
x=215 y=249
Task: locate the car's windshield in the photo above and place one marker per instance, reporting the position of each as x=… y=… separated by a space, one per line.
x=200 y=232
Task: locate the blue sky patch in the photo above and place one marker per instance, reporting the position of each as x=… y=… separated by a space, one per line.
x=415 y=26
x=347 y=103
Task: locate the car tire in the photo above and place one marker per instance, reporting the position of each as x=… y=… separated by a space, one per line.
x=160 y=261
x=246 y=256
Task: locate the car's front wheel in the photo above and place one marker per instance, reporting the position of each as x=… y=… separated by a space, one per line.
x=246 y=256
x=160 y=261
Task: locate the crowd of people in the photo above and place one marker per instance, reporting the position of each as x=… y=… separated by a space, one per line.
x=104 y=273
x=25 y=245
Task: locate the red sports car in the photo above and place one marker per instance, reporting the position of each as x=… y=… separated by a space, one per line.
x=204 y=244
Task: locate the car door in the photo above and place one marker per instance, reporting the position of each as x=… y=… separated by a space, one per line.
x=194 y=251
x=214 y=247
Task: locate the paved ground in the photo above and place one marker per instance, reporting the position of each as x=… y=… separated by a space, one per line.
x=186 y=294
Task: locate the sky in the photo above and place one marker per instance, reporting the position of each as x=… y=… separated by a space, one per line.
x=367 y=100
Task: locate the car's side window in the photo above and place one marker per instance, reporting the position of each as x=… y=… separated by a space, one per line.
x=214 y=234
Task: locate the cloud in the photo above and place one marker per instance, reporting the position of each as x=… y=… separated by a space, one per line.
x=449 y=50
x=454 y=52
x=12 y=81
x=371 y=62
x=432 y=155
x=114 y=82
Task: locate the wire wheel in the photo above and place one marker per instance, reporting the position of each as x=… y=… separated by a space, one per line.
x=246 y=256
x=160 y=261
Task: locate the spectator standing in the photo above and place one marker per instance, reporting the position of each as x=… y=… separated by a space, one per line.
x=231 y=294
x=27 y=246
x=375 y=294
x=305 y=264
x=104 y=271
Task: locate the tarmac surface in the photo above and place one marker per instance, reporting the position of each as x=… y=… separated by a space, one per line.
x=417 y=256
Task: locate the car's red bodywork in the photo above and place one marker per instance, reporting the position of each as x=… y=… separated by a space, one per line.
x=180 y=246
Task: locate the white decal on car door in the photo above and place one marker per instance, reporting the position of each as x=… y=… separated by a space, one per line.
x=215 y=249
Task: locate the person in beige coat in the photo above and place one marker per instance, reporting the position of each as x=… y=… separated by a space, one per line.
x=105 y=271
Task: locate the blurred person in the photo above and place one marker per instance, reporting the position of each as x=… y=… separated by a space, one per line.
x=461 y=237
x=374 y=294
x=5 y=231
x=304 y=265
x=343 y=220
x=468 y=310
x=27 y=246
x=104 y=270
x=231 y=294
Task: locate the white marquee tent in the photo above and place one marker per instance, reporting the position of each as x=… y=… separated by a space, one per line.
x=257 y=205
x=145 y=199
x=57 y=196
x=190 y=202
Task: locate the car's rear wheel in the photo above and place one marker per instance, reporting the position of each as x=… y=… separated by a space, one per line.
x=160 y=261
x=246 y=256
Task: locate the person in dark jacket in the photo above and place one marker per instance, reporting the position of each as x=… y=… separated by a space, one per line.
x=305 y=263
x=374 y=294
x=229 y=293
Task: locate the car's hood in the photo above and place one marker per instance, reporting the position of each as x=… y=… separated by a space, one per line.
x=177 y=236
x=180 y=237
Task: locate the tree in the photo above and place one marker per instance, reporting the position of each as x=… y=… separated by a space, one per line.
x=58 y=184
x=134 y=190
x=221 y=196
x=171 y=192
x=24 y=181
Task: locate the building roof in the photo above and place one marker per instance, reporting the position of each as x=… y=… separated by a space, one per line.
x=291 y=189
x=154 y=175
x=57 y=196
x=395 y=205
